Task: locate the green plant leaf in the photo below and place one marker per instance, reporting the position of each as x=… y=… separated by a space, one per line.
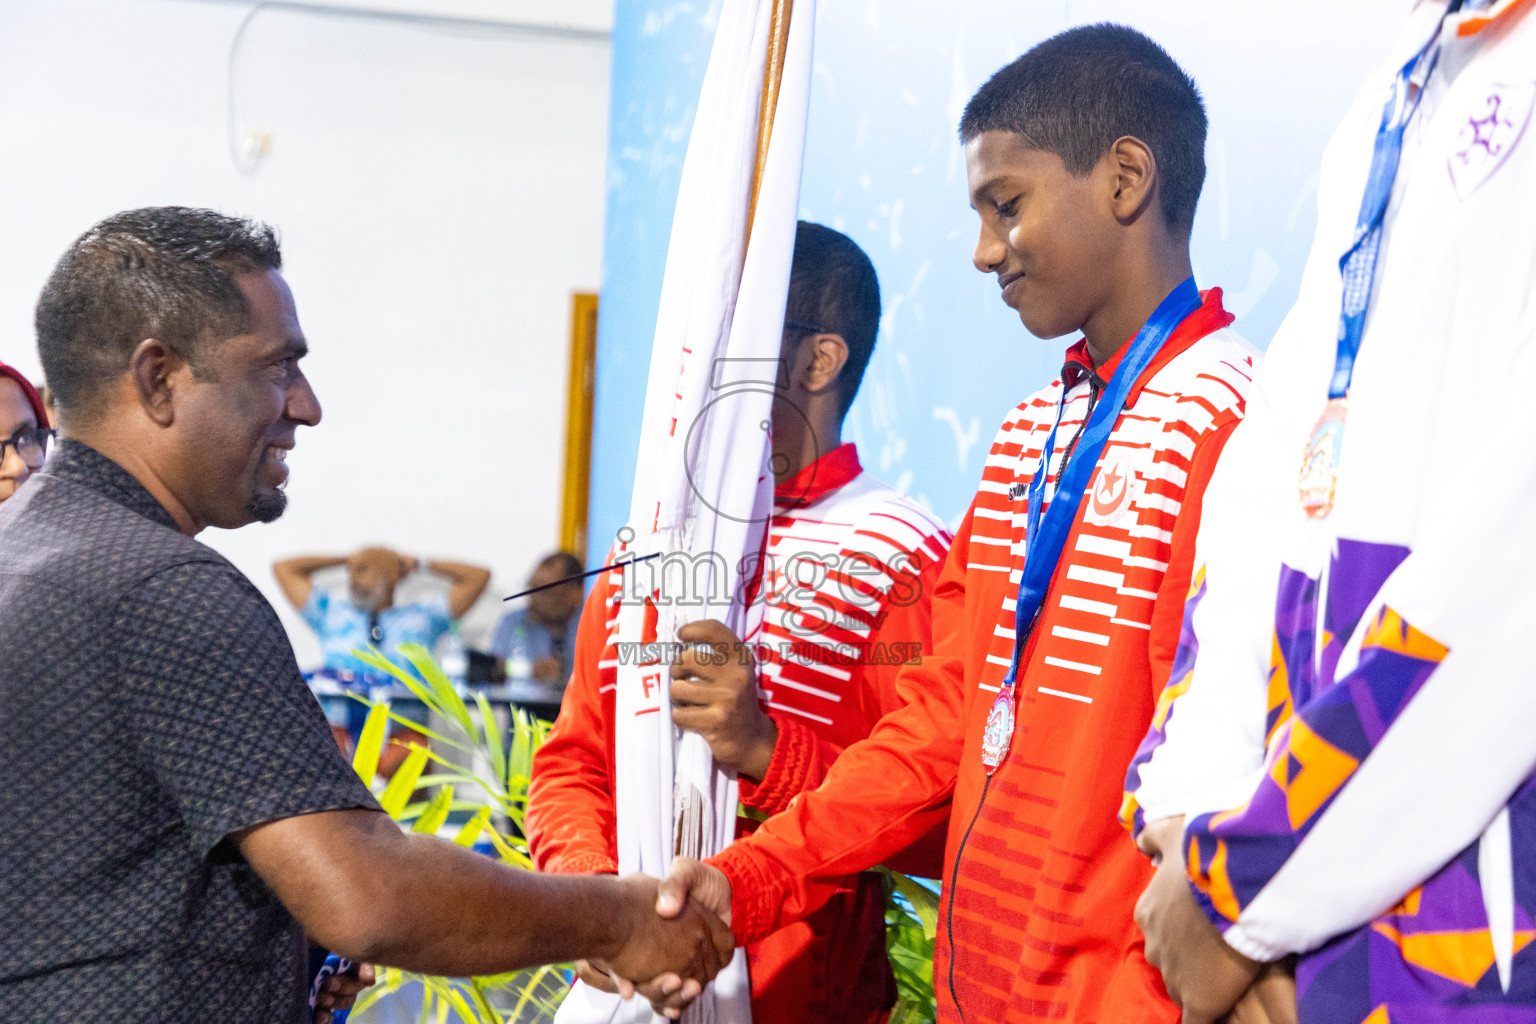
x=461 y=1006
x=472 y=828
x=365 y=761
x=508 y=852
x=436 y=812
x=529 y=989
x=449 y=701
x=404 y=782
x=483 y=1005
x=437 y=694
x=492 y=735
x=374 y=658
x=520 y=756
x=924 y=902
x=390 y=980
x=416 y=726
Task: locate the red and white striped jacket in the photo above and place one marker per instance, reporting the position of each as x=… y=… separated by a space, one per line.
x=849 y=568
x=1040 y=880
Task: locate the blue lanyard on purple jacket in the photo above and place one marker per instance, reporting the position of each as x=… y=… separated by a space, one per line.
x=1047 y=530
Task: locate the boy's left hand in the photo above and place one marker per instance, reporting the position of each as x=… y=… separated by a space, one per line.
x=1203 y=974
x=714 y=693
x=340 y=991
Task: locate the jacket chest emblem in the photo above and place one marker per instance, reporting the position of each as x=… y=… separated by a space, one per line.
x=1491 y=129
x=1111 y=493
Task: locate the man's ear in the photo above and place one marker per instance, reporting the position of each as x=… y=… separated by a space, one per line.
x=828 y=356
x=155 y=372
x=1135 y=177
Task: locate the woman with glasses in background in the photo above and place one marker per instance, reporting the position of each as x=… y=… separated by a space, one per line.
x=24 y=430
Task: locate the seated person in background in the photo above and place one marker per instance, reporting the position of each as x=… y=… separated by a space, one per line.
x=537 y=639
x=850 y=566
x=24 y=430
x=368 y=613
x=371 y=615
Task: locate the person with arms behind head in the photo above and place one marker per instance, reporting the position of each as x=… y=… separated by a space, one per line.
x=180 y=817
x=367 y=614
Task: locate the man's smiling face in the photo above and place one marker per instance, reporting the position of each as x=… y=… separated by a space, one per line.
x=240 y=417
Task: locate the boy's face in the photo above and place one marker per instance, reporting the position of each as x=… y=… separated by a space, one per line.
x=1048 y=235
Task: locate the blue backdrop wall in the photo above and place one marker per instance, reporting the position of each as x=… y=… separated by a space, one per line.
x=883 y=164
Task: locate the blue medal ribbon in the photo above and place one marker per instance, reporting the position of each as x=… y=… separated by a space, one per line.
x=1317 y=483
x=1358 y=264
x=1047 y=528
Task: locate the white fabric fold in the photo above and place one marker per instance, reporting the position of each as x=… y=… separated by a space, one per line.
x=703 y=488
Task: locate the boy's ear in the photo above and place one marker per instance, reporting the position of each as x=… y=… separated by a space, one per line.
x=1135 y=171
x=828 y=355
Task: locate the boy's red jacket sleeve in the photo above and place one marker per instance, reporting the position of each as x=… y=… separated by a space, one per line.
x=570 y=820
x=801 y=758
x=880 y=796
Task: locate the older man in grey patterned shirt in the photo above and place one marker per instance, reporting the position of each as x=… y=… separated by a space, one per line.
x=177 y=816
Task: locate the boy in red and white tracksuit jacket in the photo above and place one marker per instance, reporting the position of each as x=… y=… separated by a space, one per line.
x=1085 y=191
x=848 y=575
x=851 y=564
x=1039 y=879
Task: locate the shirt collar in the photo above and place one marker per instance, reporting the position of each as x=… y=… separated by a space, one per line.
x=79 y=463
x=835 y=469
x=1209 y=317
x=1079 y=365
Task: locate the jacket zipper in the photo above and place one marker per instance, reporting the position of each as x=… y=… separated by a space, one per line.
x=1095 y=387
x=949 y=917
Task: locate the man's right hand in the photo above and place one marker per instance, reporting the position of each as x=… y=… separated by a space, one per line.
x=690 y=884
x=675 y=955
x=694 y=880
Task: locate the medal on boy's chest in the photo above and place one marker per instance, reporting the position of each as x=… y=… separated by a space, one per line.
x=1319 y=476
x=998 y=735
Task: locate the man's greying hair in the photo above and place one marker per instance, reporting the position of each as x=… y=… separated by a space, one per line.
x=1076 y=93
x=833 y=289
x=165 y=272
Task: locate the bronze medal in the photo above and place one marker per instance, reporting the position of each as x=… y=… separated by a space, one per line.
x=1319 y=477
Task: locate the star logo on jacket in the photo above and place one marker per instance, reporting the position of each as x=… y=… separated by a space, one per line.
x=1492 y=127
x=1112 y=492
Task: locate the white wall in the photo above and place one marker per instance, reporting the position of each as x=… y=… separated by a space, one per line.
x=439 y=191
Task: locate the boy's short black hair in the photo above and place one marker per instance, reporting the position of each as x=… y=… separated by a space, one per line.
x=1080 y=90
x=165 y=272
x=833 y=289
